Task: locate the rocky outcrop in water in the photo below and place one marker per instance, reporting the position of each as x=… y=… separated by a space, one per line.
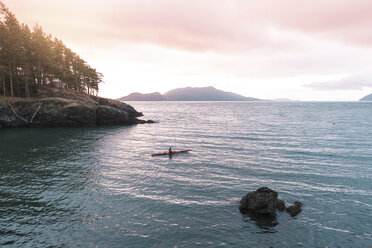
x=67 y=109
x=264 y=201
x=295 y=209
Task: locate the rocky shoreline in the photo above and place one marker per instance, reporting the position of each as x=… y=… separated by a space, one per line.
x=66 y=109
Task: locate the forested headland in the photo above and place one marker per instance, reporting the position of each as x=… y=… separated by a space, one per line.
x=31 y=60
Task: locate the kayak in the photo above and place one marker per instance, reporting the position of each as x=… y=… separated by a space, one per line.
x=169 y=153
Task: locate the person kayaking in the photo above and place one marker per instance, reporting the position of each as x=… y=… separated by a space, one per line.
x=170 y=150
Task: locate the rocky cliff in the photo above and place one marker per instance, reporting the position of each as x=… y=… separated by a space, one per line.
x=66 y=109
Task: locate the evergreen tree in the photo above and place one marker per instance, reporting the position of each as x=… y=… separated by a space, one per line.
x=11 y=43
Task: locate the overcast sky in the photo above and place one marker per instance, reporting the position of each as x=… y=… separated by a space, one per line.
x=298 y=49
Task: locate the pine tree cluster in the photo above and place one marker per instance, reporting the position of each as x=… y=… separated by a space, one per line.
x=30 y=60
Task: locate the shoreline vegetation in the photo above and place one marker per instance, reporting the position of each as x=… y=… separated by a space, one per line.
x=44 y=83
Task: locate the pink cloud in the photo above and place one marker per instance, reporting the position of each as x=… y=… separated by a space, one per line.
x=240 y=24
x=218 y=25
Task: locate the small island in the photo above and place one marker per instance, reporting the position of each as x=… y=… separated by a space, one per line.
x=44 y=83
x=189 y=94
x=367 y=98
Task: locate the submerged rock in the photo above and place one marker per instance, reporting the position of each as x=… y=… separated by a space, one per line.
x=295 y=209
x=262 y=201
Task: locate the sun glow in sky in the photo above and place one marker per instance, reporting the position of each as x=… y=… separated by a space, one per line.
x=298 y=49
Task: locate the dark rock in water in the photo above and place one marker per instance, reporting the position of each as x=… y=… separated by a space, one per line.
x=294 y=209
x=262 y=201
x=146 y=122
x=280 y=205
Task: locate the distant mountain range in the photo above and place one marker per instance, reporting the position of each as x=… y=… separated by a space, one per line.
x=189 y=94
x=367 y=98
x=156 y=96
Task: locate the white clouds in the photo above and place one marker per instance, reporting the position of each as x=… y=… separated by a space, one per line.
x=352 y=82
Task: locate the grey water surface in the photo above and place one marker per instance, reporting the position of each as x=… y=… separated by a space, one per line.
x=100 y=186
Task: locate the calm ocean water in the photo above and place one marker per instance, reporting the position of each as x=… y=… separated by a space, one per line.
x=100 y=186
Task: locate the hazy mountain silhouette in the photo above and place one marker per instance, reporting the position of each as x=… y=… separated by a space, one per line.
x=189 y=94
x=156 y=96
x=367 y=98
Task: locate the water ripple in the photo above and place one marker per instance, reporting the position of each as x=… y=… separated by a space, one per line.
x=100 y=186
